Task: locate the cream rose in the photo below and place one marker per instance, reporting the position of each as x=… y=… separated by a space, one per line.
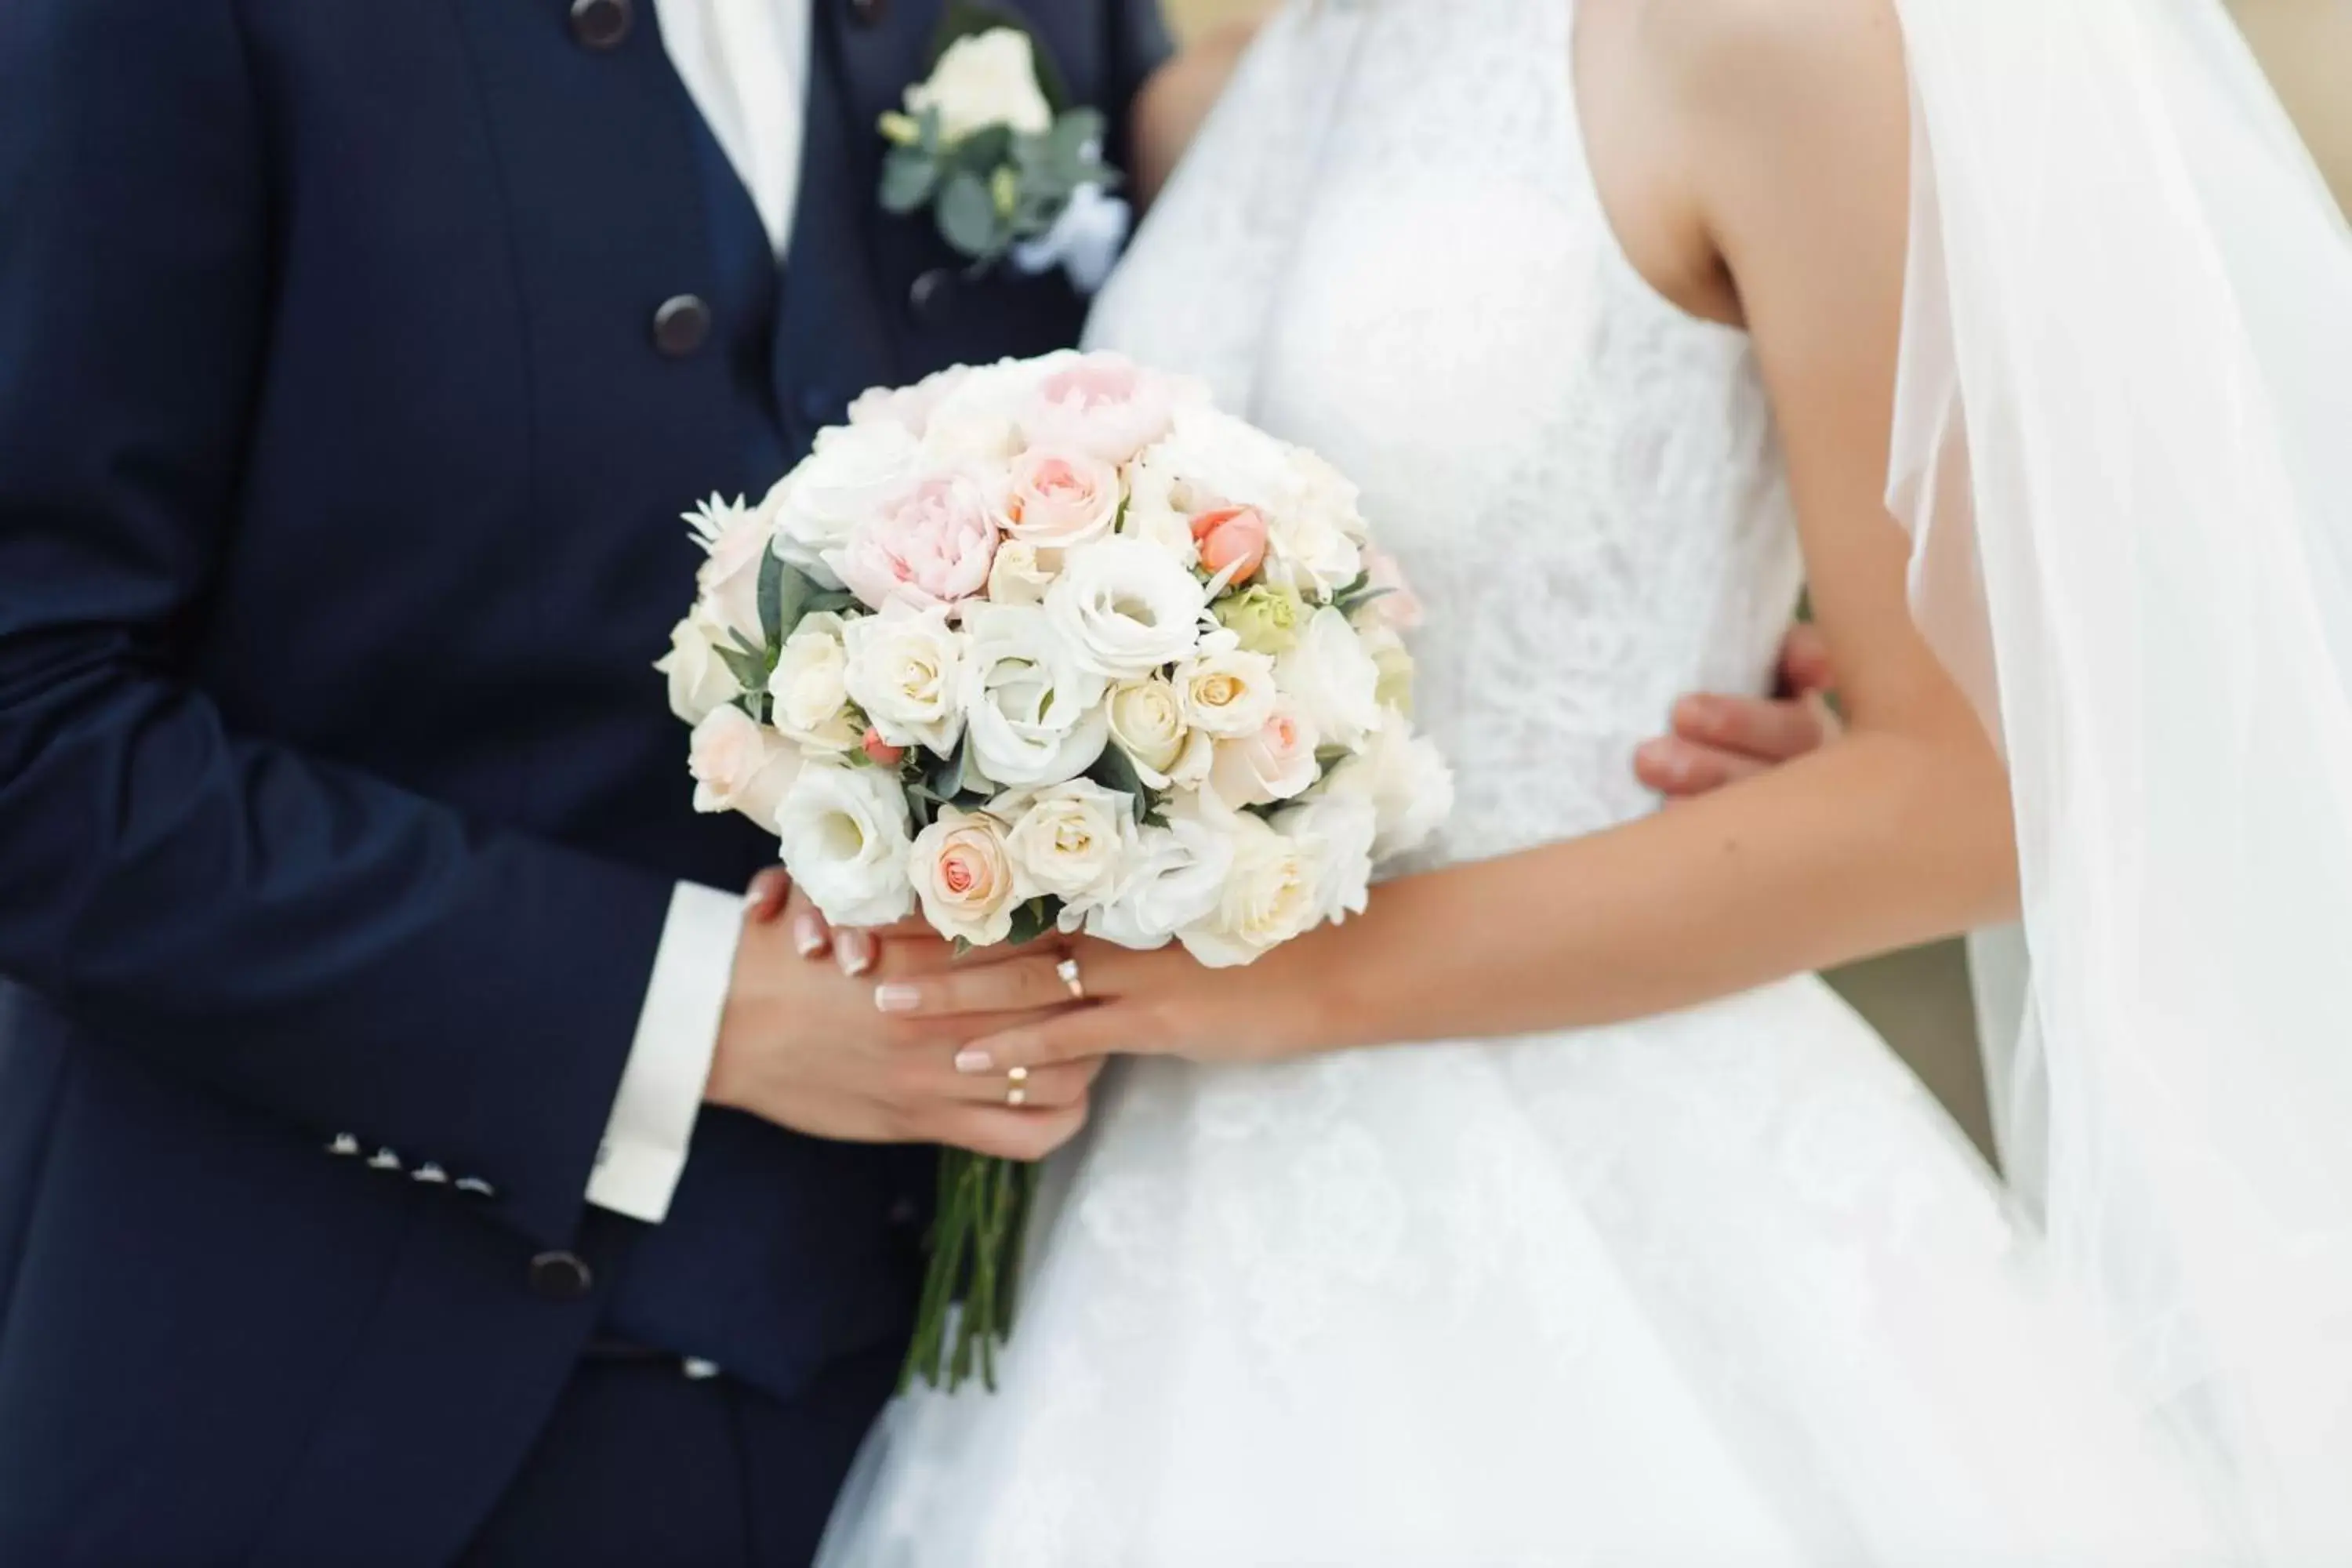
x=1070 y=840
x=1277 y=763
x=1146 y=722
x=1033 y=713
x=1058 y=499
x=1334 y=834
x=905 y=669
x=983 y=79
x=1022 y=572
x=699 y=680
x=844 y=834
x=1267 y=896
x=1126 y=608
x=964 y=875
x=852 y=472
x=810 y=701
x=1405 y=779
x=1332 y=678
x=740 y=764
x=1173 y=878
x=1225 y=690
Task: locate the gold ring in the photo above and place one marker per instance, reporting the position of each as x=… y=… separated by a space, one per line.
x=1068 y=970
x=1016 y=1093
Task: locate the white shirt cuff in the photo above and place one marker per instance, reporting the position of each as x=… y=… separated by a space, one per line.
x=643 y=1150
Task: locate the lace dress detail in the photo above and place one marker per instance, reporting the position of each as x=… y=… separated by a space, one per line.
x=1724 y=1287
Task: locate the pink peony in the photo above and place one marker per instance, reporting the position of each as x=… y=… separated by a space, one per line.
x=1059 y=500
x=1232 y=542
x=909 y=407
x=1101 y=404
x=931 y=545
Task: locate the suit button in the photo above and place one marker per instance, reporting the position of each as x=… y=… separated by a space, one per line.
x=867 y=12
x=929 y=299
x=681 y=325
x=559 y=1277
x=601 y=24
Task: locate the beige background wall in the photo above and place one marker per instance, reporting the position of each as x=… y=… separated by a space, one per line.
x=1920 y=999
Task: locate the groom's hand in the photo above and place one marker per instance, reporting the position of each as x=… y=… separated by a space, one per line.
x=804 y=1044
x=1720 y=739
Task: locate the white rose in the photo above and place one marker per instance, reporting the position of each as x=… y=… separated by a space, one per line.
x=906 y=670
x=964 y=874
x=1210 y=460
x=1127 y=607
x=1152 y=514
x=1173 y=878
x=1277 y=763
x=983 y=79
x=1070 y=840
x=1335 y=833
x=1405 y=777
x=699 y=680
x=975 y=428
x=1022 y=572
x=845 y=842
x=1267 y=897
x=1033 y=714
x=1146 y=722
x=740 y=765
x=846 y=478
x=811 y=701
x=1332 y=678
x=1308 y=552
x=1323 y=489
x=1225 y=690
x=736 y=540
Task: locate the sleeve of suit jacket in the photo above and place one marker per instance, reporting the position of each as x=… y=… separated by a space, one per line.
x=310 y=940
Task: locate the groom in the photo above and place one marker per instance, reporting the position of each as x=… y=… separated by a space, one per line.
x=359 y=974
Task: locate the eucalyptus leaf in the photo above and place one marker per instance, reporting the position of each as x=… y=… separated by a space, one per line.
x=784 y=594
x=1114 y=770
x=985 y=150
x=910 y=175
x=1033 y=919
x=968 y=218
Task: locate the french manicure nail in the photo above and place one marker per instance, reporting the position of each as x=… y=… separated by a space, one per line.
x=973 y=1061
x=856 y=952
x=808 y=936
x=898 y=998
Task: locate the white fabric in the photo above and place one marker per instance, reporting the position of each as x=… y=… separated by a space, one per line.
x=644 y=1146
x=745 y=65
x=2122 y=440
x=1723 y=1287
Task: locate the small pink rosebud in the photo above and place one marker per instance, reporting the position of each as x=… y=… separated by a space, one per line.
x=1232 y=537
x=883 y=752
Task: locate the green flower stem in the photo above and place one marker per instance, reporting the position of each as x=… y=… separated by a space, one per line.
x=965 y=1311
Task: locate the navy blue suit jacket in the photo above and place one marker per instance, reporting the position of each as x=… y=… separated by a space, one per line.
x=340 y=473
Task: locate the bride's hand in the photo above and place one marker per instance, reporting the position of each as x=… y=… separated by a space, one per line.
x=1123 y=1002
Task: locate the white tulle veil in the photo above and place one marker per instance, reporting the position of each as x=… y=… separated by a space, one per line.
x=2124 y=443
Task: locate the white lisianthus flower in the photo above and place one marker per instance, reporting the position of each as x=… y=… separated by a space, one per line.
x=1022 y=572
x=1152 y=514
x=1146 y=722
x=1173 y=878
x=1225 y=690
x=736 y=540
x=1332 y=678
x=1405 y=778
x=964 y=875
x=1324 y=490
x=845 y=834
x=983 y=79
x=699 y=680
x=1070 y=840
x=852 y=472
x=1277 y=763
x=1394 y=662
x=1267 y=896
x=811 y=701
x=1127 y=607
x=1033 y=715
x=740 y=764
x=905 y=670
x=1335 y=833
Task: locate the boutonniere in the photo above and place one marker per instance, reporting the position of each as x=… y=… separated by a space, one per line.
x=1011 y=171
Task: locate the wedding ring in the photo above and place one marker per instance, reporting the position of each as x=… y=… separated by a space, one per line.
x=1068 y=970
x=1016 y=1091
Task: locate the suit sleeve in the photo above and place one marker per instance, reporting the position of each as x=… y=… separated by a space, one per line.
x=301 y=936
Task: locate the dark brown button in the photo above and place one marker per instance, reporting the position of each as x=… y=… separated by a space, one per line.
x=929 y=299
x=559 y=1277
x=601 y=24
x=681 y=326
x=867 y=12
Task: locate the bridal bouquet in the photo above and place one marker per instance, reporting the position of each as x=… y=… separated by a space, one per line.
x=1054 y=644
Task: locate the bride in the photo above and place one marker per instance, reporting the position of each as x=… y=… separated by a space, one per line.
x=1632 y=1245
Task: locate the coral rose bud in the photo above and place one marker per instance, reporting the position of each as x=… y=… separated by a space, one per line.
x=1230 y=538
x=884 y=754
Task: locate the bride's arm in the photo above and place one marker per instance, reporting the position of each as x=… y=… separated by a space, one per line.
x=1177 y=98
x=1896 y=834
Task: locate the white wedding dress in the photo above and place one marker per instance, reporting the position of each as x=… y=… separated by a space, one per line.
x=1720 y=1288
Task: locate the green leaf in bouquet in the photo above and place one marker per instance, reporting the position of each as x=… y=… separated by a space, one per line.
x=783 y=598
x=1074 y=146
x=1330 y=757
x=750 y=671
x=909 y=176
x=1033 y=919
x=985 y=150
x=1115 y=771
x=968 y=218
x=828 y=601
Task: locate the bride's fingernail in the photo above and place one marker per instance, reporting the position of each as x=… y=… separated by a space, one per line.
x=973 y=1061
x=807 y=935
x=855 y=950
x=898 y=998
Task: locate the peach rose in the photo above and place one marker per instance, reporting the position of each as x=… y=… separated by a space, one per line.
x=963 y=874
x=1058 y=499
x=1232 y=542
x=931 y=545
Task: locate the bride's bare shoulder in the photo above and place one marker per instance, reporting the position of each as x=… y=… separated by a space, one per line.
x=1762 y=53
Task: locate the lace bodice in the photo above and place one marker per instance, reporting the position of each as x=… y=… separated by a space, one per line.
x=1386 y=246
